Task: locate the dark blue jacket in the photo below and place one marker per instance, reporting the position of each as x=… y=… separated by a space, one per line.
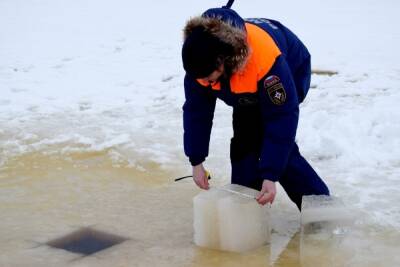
x=278 y=94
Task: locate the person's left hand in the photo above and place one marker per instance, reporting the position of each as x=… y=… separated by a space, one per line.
x=268 y=192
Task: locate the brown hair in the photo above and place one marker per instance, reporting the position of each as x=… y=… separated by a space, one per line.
x=236 y=38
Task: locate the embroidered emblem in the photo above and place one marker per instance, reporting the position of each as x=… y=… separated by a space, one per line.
x=275 y=90
x=277 y=94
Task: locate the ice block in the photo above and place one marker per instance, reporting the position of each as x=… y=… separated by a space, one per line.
x=319 y=208
x=205 y=218
x=325 y=222
x=230 y=219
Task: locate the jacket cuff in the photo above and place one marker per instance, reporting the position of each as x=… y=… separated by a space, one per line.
x=267 y=175
x=196 y=161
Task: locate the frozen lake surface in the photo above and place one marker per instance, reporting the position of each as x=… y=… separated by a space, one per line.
x=91 y=132
x=45 y=197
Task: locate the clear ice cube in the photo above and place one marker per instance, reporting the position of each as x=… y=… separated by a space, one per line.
x=229 y=218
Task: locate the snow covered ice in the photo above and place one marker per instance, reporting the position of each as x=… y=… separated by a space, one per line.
x=230 y=221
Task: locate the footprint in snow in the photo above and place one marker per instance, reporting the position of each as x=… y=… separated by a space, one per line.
x=4 y=102
x=84 y=106
x=168 y=78
x=18 y=90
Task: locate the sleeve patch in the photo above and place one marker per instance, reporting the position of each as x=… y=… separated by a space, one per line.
x=275 y=90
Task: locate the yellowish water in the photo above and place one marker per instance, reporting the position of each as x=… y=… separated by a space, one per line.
x=46 y=195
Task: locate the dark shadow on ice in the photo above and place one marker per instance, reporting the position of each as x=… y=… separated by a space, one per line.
x=86 y=241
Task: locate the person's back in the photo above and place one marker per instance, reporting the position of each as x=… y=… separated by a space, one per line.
x=293 y=49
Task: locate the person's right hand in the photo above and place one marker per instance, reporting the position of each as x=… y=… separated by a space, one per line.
x=200 y=177
x=268 y=193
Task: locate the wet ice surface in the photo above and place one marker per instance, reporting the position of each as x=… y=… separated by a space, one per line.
x=44 y=198
x=91 y=133
x=49 y=198
x=50 y=202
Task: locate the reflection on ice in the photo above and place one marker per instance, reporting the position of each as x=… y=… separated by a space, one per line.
x=324 y=242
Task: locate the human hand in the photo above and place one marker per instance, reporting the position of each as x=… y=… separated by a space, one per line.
x=200 y=176
x=267 y=193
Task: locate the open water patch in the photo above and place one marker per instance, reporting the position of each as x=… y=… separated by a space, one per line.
x=86 y=241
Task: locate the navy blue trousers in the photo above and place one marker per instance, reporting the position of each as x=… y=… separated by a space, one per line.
x=298 y=179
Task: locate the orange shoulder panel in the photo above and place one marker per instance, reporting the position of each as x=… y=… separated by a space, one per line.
x=263 y=53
